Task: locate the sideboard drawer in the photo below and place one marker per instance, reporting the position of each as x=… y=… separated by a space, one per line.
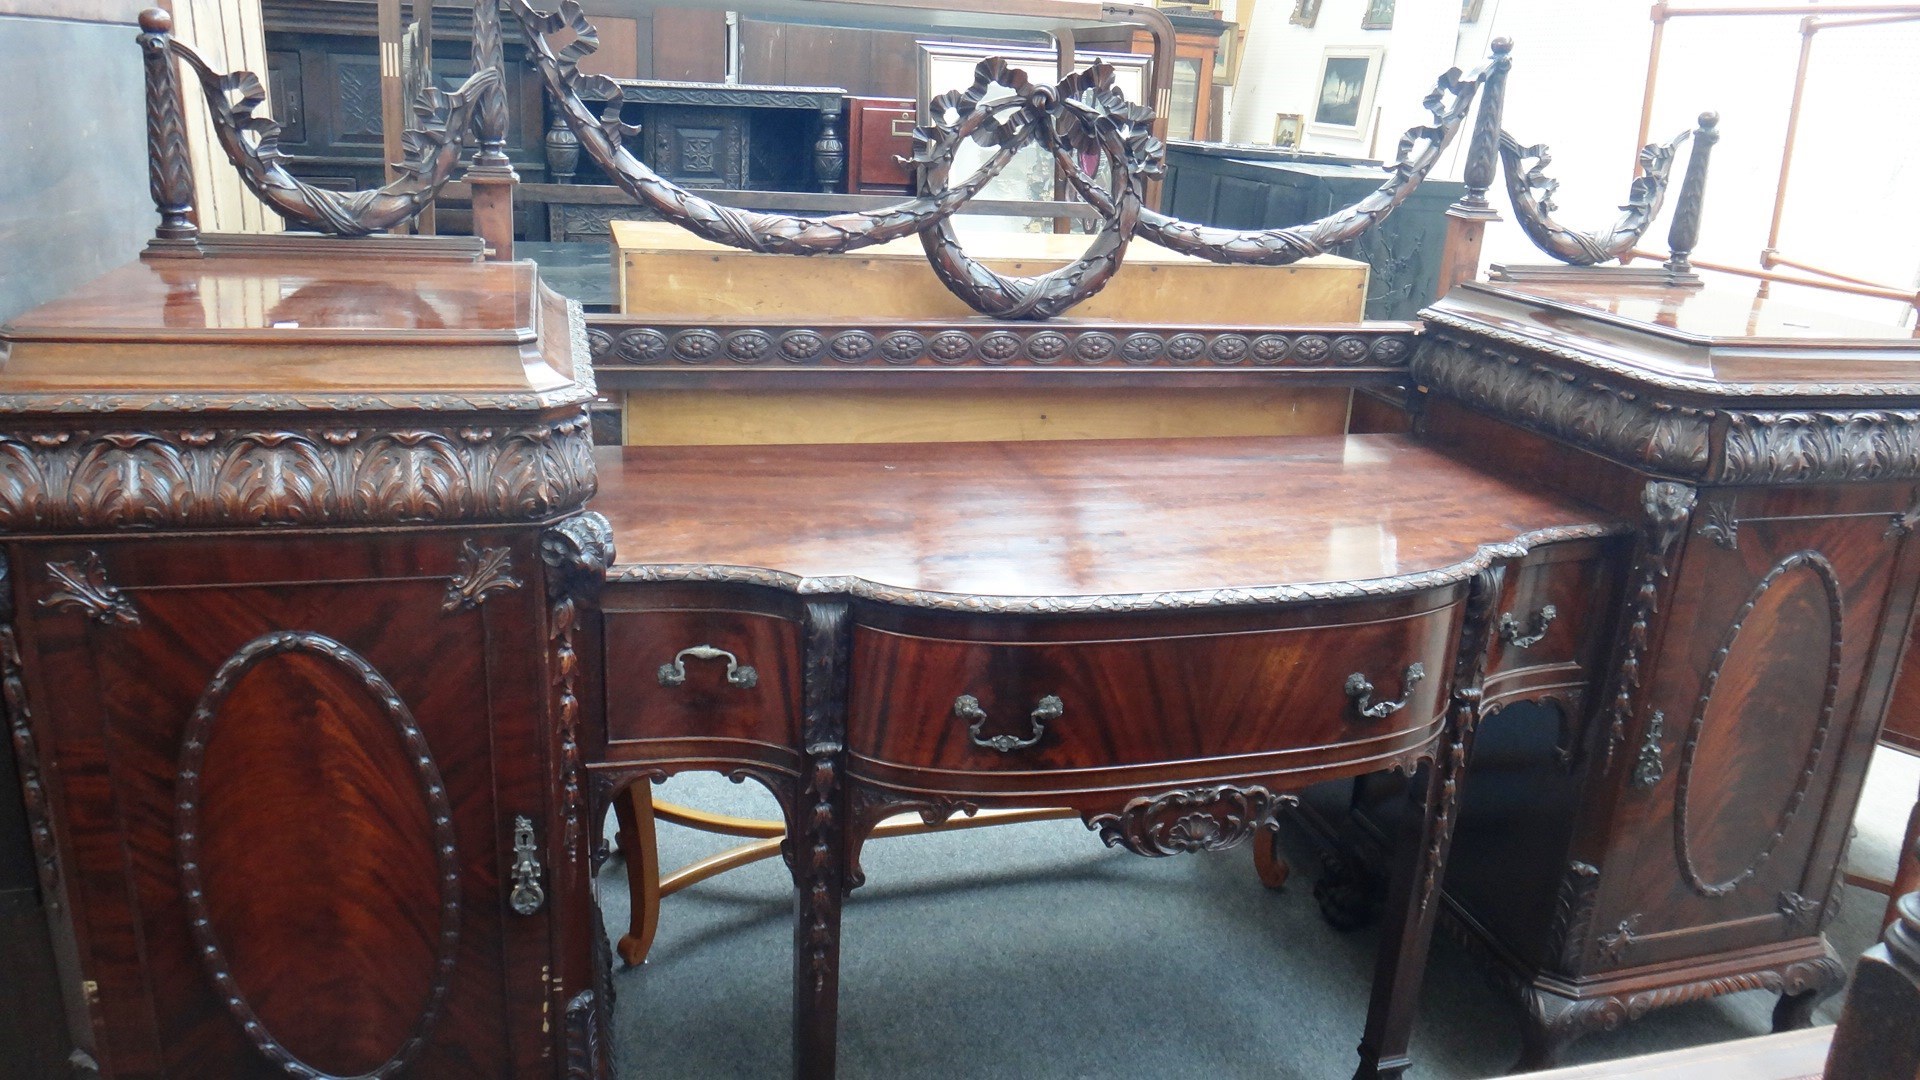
x=1552 y=617
x=702 y=674
x=991 y=706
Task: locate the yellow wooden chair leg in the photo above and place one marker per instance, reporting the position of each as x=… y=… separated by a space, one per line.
x=1271 y=866
x=634 y=812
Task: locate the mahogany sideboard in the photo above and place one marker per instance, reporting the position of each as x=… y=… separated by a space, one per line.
x=321 y=667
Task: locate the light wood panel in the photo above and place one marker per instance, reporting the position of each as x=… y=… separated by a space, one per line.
x=229 y=34
x=720 y=417
x=666 y=271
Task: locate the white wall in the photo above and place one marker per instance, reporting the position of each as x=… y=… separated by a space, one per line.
x=1579 y=69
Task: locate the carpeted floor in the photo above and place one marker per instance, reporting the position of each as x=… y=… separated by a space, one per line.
x=1031 y=951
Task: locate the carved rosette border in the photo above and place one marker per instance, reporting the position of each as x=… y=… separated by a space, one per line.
x=1190 y=819
x=26 y=748
x=1519 y=388
x=624 y=341
x=578 y=551
x=1682 y=802
x=337 y=475
x=433 y=793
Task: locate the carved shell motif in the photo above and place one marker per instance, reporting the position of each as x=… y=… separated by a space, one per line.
x=1194 y=819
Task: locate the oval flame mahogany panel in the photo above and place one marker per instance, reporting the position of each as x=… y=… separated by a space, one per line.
x=301 y=756
x=1778 y=663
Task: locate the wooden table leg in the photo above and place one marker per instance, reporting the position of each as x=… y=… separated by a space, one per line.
x=633 y=810
x=1268 y=864
x=820 y=843
x=1422 y=838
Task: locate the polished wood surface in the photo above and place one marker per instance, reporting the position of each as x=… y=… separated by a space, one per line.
x=1072 y=518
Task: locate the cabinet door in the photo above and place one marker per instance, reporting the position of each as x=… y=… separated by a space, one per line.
x=1736 y=783
x=288 y=773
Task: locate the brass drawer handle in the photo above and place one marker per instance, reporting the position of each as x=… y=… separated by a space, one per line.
x=528 y=894
x=738 y=674
x=1511 y=634
x=1361 y=691
x=967 y=707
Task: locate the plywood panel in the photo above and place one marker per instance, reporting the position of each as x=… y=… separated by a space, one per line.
x=665 y=271
x=724 y=417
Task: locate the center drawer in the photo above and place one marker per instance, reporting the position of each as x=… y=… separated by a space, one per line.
x=1370 y=685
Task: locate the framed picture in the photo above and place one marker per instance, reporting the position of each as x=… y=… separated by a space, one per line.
x=1379 y=15
x=1305 y=12
x=1470 y=10
x=1287 y=127
x=1348 y=78
x=948 y=65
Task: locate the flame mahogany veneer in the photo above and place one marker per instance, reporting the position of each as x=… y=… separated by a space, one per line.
x=328 y=640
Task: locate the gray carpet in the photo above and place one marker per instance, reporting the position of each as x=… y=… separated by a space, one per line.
x=1031 y=951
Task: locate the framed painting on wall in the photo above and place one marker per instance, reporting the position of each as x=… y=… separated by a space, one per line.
x=1348 y=78
x=1286 y=130
x=1305 y=13
x=1379 y=15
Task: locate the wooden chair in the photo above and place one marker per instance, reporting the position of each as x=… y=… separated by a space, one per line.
x=636 y=814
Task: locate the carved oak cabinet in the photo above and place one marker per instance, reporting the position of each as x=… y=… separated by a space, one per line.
x=290 y=553
x=1679 y=833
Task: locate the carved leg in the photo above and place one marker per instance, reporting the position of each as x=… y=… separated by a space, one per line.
x=1795 y=1011
x=819 y=845
x=1423 y=837
x=1271 y=866
x=1551 y=1023
x=634 y=812
x=1404 y=938
x=1348 y=893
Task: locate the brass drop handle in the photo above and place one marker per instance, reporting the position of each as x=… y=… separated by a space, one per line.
x=1360 y=689
x=1536 y=628
x=528 y=895
x=967 y=707
x=738 y=674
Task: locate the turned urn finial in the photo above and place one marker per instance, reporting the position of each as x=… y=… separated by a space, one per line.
x=156 y=21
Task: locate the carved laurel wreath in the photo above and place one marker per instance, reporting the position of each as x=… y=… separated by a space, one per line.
x=1084 y=116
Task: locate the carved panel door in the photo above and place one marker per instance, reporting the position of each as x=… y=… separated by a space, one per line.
x=291 y=777
x=1736 y=781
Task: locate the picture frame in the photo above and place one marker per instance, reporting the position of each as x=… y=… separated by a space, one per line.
x=1470 y=10
x=1343 y=100
x=1378 y=16
x=1305 y=13
x=1287 y=130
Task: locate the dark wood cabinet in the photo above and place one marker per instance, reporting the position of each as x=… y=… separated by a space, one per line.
x=1250 y=187
x=879 y=136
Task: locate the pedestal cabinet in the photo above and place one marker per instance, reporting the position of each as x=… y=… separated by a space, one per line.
x=292 y=552
x=1674 y=828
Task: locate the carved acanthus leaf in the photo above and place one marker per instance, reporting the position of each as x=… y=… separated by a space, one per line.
x=83 y=584
x=482 y=571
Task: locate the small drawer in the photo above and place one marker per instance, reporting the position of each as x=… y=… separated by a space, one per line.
x=702 y=674
x=1553 y=616
x=987 y=706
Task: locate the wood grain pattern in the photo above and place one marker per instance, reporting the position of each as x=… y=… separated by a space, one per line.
x=1091 y=518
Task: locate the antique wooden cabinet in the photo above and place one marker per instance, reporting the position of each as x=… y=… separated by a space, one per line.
x=290 y=545
x=1676 y=830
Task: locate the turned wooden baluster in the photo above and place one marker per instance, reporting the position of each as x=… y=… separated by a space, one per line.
x=169 y=170
x=491 y=174
x=1685 y=230
x=1467 y=218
